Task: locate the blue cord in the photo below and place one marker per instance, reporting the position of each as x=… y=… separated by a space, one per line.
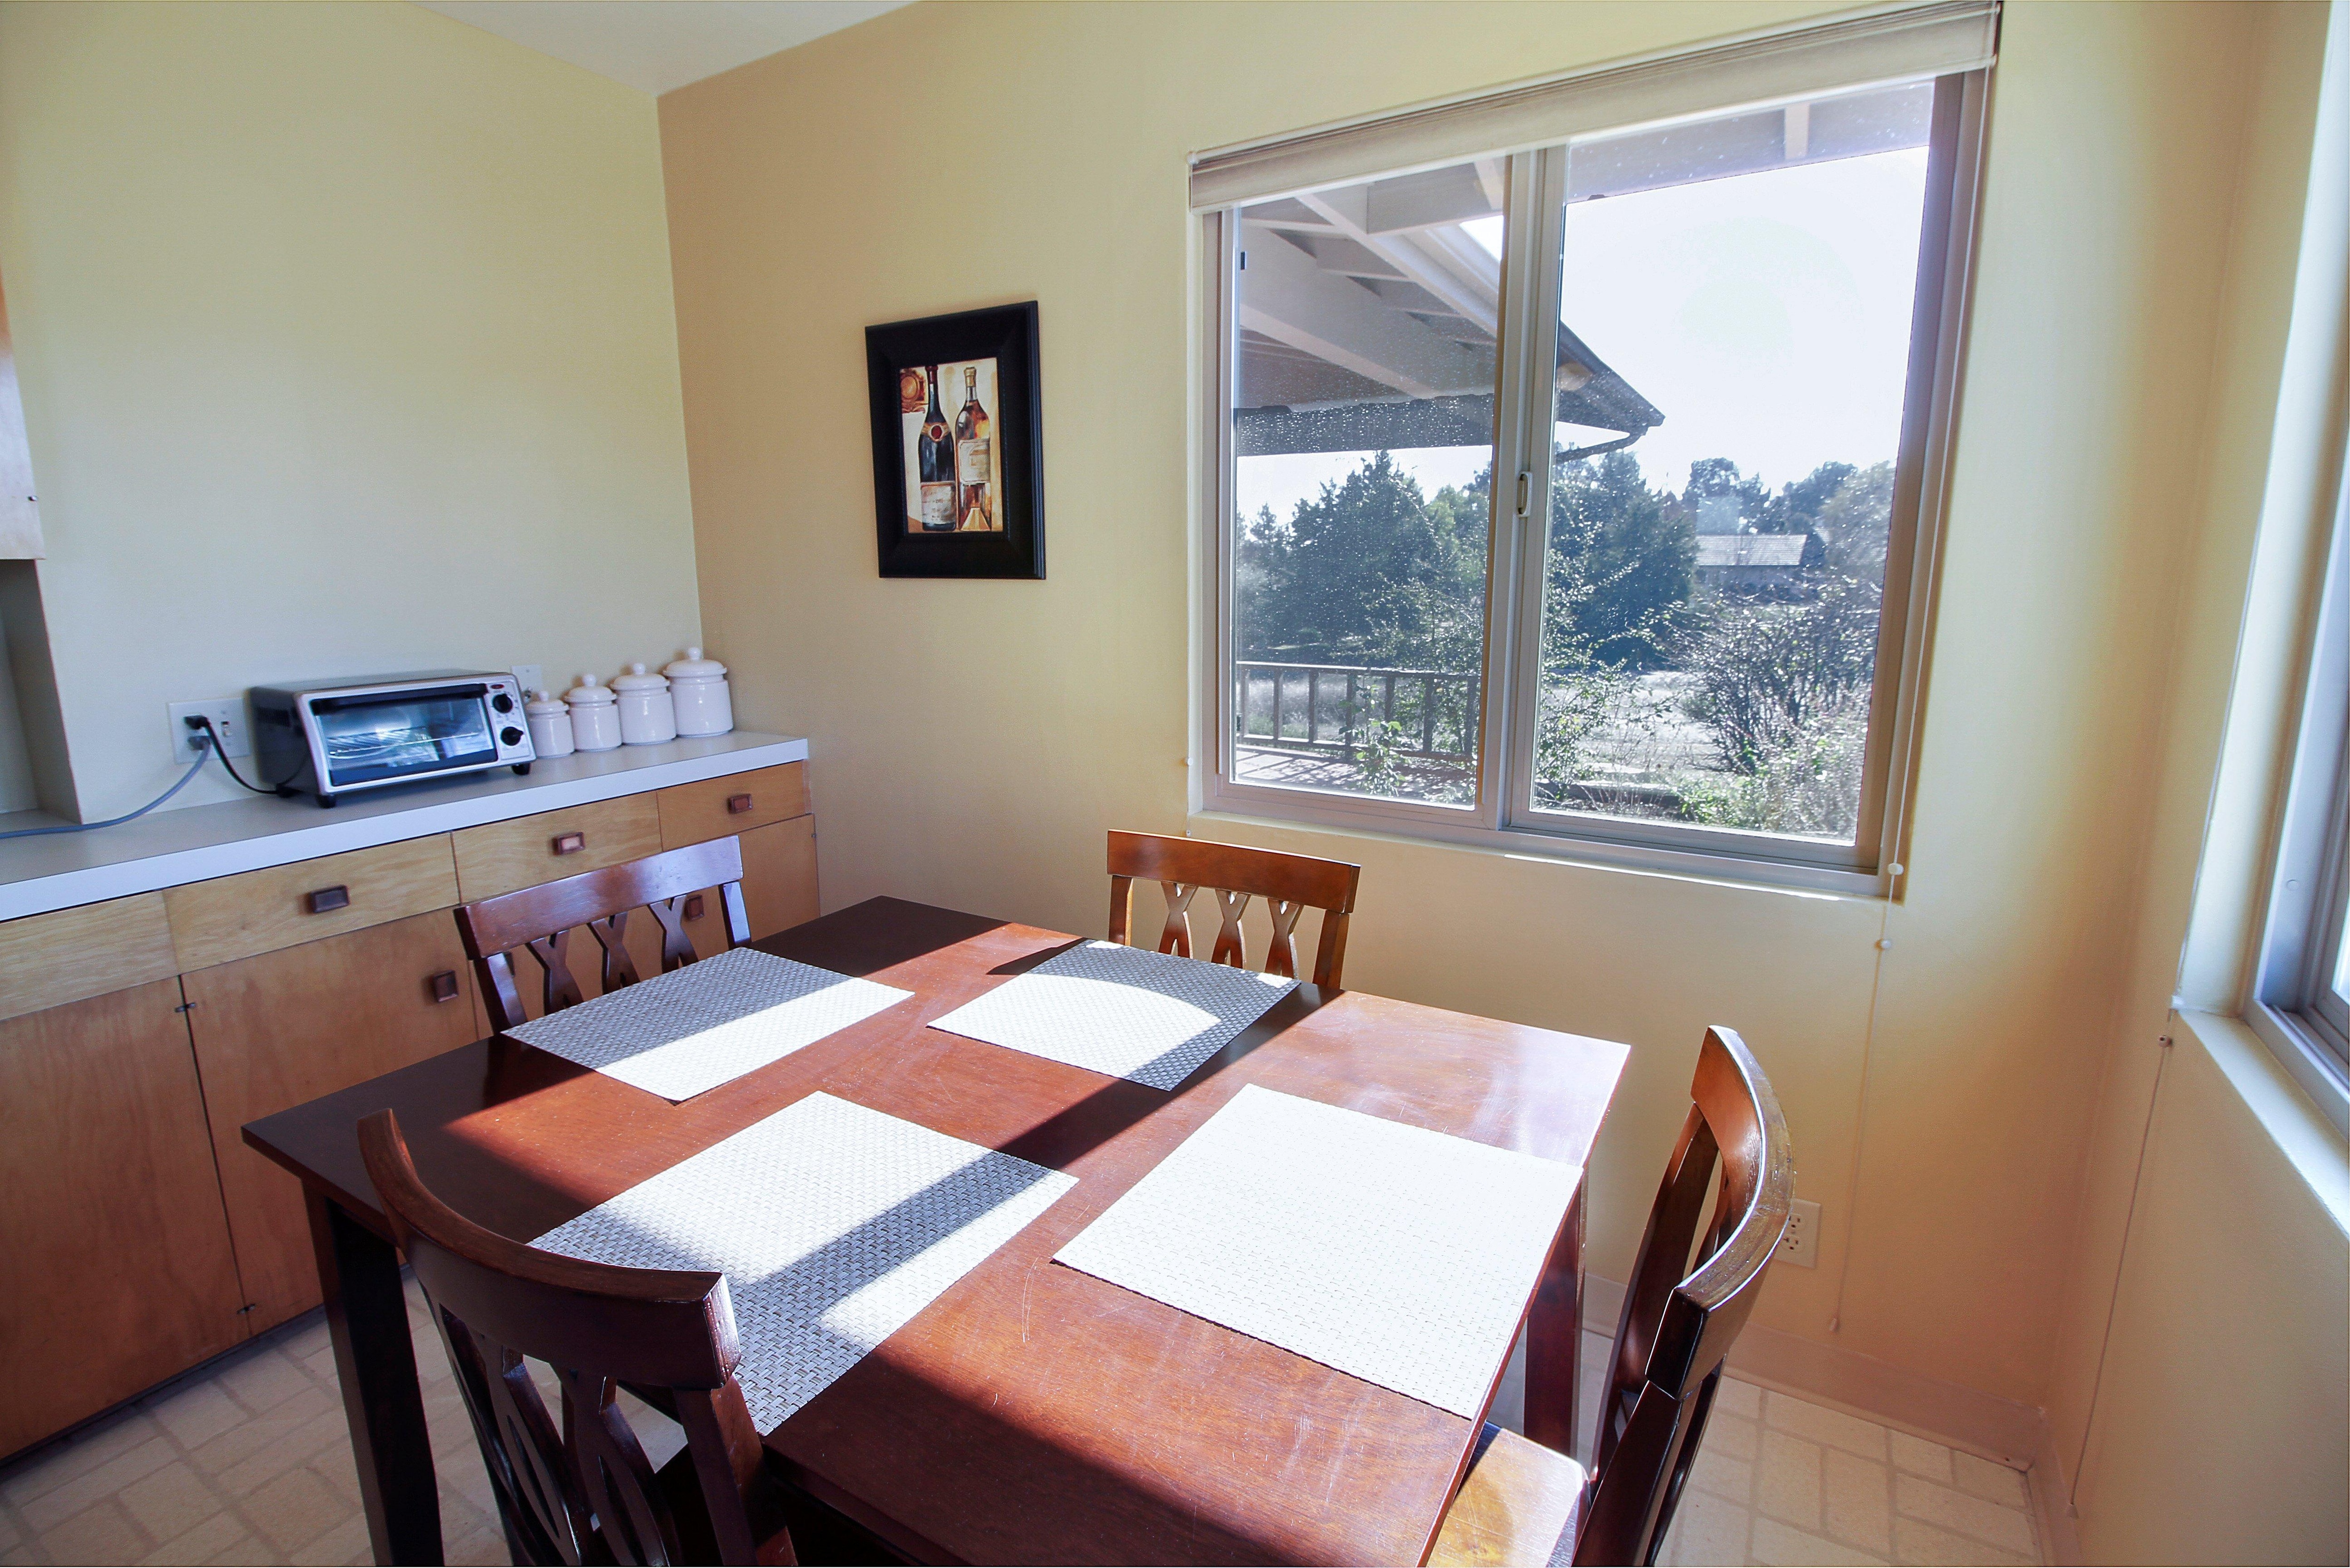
x=193 y=768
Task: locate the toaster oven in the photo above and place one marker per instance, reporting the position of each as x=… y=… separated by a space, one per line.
x=331 y=738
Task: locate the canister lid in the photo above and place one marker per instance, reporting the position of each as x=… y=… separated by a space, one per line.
x=636 y=680
x=540 y=702
x=588 y=691
x=694 y=667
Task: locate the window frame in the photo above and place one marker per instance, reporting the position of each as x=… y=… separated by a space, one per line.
x=2293 y=1006
x=1502 y=815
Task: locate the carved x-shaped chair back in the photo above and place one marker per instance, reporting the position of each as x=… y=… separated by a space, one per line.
x=581 y=1488
x=1289 y=884
x=541 y=919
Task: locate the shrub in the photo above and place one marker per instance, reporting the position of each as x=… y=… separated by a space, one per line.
x=1767 y=674
x=1810 y=783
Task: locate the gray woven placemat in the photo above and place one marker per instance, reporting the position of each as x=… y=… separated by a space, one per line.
x=693 y=1029
x=834 y=1224
x=1398 y=1255
x=1125 y=1012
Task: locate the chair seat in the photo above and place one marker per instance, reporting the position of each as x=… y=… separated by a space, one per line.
x=1519 y=1504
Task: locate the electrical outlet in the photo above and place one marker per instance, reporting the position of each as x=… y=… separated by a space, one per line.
x=227 y=714
x=1801 y=1244
x=533 y=678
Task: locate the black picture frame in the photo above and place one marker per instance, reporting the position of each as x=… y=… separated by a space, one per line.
x=1007 y=334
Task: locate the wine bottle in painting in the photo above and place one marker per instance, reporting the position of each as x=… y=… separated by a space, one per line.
x=974 y=456
x=934 y=453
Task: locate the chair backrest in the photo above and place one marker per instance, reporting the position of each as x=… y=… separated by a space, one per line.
x=585 y=1490
x=1679 y=1317
x=541 y=919
x=1289 y=884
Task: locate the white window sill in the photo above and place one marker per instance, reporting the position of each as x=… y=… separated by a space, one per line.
x=2308 y=1139
x=1718 y=871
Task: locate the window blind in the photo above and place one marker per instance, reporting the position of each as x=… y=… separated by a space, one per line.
x=1852 y=49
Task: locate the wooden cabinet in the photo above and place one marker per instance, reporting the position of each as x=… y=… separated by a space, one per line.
x=500 y=856
x=275 y=1030
x=138 y=1035
x=117 y=1261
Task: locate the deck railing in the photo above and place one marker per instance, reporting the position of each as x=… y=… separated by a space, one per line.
x=1333 y=707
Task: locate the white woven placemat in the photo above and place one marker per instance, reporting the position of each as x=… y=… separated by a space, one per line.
x=834 y=1225
x=1127 y=1012
x=1398 y=1255
x=696 y=1028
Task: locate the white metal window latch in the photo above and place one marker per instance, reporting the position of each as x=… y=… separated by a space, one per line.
x=1525 y=492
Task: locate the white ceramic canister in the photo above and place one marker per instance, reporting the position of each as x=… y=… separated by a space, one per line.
x=595 y=716
x=648 y=712
x=698 y=688
x=550 y=725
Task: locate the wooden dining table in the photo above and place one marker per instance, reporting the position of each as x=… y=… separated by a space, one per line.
x=1032 y=1413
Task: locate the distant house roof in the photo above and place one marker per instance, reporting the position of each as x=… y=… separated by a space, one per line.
x=1750 y=549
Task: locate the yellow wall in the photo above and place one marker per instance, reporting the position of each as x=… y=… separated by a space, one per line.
x=2200 y=1404
x=346 y=346
x=978 y=738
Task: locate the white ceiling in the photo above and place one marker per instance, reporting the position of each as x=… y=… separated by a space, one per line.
x=657 y=45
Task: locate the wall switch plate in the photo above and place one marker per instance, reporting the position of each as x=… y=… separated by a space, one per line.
x=533 y=678
x=1801 y=1244
x=227 y=714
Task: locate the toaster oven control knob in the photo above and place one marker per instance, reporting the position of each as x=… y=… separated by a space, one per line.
x=510 y=735
x=503 y=703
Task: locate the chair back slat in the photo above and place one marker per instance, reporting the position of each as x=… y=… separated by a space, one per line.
x=539 y=920
x=1288 y=883
x=585 y=1490
x=1679 y=1317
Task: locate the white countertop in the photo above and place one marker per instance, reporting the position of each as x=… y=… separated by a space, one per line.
x=167 y=848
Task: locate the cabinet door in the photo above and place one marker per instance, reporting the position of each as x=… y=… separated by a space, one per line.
x=779 y=876
x=275 y=1031
x=118 y=1259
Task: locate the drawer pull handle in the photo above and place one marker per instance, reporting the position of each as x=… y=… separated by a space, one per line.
x=693 y=907
x=326 y=899
x=444 y=986
x=570 y=843
x=736 y=805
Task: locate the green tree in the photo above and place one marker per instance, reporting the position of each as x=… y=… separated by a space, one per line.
x=1619 y=562
x=1855 y=522
x=1331 y=573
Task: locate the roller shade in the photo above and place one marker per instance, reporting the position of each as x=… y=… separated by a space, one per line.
x=1851 y=50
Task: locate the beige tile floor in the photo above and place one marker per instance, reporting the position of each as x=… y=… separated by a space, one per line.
x=249 y=1461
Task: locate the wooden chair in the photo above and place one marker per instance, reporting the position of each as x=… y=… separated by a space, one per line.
x=1521 y=1500
x=1289 y=884
x=541 y=919
x=585 y=1491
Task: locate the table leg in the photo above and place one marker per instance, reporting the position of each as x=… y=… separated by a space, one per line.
x=366 y=1318
x=1554 y=1338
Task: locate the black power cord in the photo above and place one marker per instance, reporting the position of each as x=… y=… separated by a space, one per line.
x=201 y=722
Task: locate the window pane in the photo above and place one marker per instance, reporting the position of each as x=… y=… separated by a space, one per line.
x=1363 y=443
x=1733 y=340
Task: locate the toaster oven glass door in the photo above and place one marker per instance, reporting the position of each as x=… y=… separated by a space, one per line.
x=368 y=739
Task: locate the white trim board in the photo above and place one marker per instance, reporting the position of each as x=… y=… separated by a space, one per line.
x=172 y=848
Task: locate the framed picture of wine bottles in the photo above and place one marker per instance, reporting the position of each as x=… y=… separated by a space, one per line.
x=958 y=453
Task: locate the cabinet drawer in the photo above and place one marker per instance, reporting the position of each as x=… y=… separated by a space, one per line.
x=68 y=955
x=232 y=917
x=695 y=813
x=500 y=856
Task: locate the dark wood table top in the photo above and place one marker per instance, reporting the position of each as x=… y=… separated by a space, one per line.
x=1032 y=1414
